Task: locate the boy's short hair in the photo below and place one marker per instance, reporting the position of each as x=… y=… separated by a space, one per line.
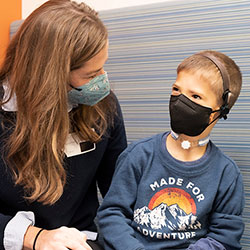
x=208 y=71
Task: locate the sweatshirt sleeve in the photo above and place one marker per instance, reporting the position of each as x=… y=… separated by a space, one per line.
x=115 y=214
x=206 y=244
x=225 y=222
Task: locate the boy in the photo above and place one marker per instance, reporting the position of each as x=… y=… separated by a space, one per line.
x=177 y=190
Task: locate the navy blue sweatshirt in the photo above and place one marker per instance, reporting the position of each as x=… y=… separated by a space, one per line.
x=157 y=202
x=78 y=205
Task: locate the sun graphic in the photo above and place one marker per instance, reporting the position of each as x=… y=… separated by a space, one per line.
x=172 y=196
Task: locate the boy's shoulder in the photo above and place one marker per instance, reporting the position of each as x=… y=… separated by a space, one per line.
x=140 y=151
x=145 y=143
x=223 y=160
x=142 y=148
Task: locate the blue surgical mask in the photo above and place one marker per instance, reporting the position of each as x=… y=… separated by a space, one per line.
x=92 y=92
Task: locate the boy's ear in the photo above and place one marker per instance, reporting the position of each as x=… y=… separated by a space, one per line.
x=214 y=115
x=224 y=110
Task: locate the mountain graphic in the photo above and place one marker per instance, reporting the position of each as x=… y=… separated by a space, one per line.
x=172 y=217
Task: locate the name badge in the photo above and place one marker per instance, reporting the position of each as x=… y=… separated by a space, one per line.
x=75 y=146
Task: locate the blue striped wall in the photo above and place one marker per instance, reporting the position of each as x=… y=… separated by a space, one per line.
x=146 y=45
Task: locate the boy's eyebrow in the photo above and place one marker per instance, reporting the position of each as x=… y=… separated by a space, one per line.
x=196 y=93
x=175 y=85
x=190 y=91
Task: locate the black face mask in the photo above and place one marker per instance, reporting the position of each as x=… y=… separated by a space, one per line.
x=188 y=117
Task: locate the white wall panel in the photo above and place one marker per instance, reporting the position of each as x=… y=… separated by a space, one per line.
x=29 y=5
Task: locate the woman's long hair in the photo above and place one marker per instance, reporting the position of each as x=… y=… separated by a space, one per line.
x=55 y=39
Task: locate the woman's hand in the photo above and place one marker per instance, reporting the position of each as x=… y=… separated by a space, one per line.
x=58 y=239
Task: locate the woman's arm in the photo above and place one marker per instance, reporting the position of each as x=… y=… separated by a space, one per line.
x=19 y=233
x=15 y=229
x=61 y=238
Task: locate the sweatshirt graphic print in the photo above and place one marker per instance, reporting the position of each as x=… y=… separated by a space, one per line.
x=171 y=212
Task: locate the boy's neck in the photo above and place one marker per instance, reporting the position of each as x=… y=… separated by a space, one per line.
x=194 y=152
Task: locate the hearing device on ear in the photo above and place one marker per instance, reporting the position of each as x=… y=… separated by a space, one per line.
x=224 y=109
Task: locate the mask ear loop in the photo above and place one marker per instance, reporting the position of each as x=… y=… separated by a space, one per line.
x=74 y=87
x=224 y=109
x=218 y=117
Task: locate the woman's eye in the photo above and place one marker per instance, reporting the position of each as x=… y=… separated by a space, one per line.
x=91 y=77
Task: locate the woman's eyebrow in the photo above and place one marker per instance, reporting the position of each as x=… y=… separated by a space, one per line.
x=95 y=71
x=92 y=72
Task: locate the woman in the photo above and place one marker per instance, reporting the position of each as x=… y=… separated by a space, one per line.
x=61 y=129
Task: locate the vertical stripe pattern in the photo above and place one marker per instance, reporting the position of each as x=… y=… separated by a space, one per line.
x=146 y=45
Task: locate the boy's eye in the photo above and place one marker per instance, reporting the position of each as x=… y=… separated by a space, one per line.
x=196 y=97
x=175 y=89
